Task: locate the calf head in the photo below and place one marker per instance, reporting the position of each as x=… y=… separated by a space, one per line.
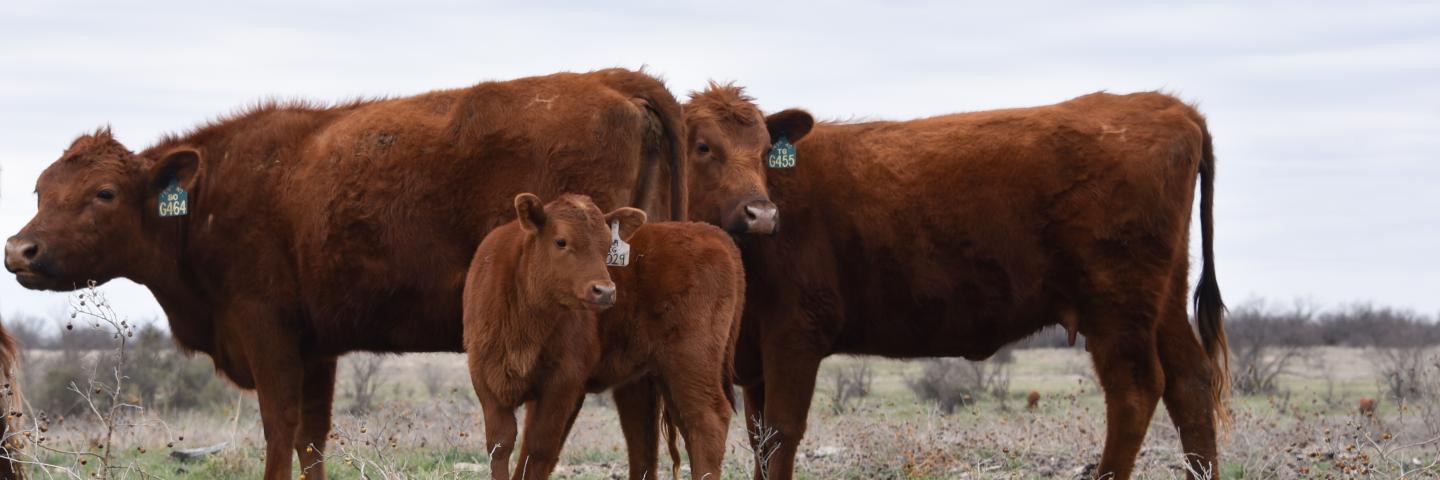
x=98 y=213
x=563 y=253
x=728 y=141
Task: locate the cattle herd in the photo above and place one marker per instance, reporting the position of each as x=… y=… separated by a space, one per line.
x=508 y=220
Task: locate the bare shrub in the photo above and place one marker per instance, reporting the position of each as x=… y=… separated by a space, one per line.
x=1405 y=372
x=1265 y=344
x=849 y=383
x=365 y=380
x=104 y=396
x=955 y=382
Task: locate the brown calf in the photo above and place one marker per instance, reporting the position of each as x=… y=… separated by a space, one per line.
x=1367 y=406
x=312 y=231
x=1032 y=401
x=958 y=234
x=544 y=323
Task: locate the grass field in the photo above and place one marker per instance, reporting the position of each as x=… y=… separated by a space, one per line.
x=427 y=425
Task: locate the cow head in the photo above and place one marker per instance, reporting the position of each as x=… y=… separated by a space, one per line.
x=728 y=141
x=94 y=204
x=566 y=241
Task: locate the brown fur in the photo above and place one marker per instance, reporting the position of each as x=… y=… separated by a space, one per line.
x=314 y=231
x=1032 y=401
x=13 y=402
x=956 y=235
x=670 y=332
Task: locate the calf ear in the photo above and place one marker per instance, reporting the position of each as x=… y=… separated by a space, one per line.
x=182 y=164
x=630 y=220
x=793 y=124
x=529 y=212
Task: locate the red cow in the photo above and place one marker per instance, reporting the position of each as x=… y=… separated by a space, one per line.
x=956 y=235
x=313 y=231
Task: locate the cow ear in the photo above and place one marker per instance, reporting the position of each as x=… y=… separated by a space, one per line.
x=529 y=212
x=181 y=164
x=793 y=124
x=630 y=220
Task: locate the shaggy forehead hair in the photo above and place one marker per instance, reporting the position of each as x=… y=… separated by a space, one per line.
x=725 y=101
x=574 y=208
x=98 y=149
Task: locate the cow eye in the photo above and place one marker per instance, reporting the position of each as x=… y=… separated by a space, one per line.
x=560 y=243
x=106 y=194
x=704 y=148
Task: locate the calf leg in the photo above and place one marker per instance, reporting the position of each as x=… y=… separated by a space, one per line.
x=319 y=392
x=545 y=427
x=1189 y=394
x=1130 y=374
x=702 y=412
x=636 y=405
x=500 y=432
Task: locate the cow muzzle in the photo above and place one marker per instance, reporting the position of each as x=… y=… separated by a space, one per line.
x=600 y=296
x=20 y=253
x=760 y=217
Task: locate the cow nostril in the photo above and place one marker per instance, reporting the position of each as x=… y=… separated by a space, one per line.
x=29 y=251
x=752 y=213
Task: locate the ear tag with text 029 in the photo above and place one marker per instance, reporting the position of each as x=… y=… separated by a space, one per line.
x=782 y=154
x=174 y=202
x=619 y=255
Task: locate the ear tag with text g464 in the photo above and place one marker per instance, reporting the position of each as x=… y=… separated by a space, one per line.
x=619 y=255
x=782 y=154
x=174 y=202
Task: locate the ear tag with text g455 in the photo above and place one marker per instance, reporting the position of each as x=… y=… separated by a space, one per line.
x=174 y=202
x=619 y=255
x=782 y=154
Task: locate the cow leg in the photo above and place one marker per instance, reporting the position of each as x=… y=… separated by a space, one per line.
x=545 y=422
x=754 y=415
x=1189 y=395
x=1129 y=369
x=278 y=384
x=789 y=388
x=636 y=404
x=319 y=393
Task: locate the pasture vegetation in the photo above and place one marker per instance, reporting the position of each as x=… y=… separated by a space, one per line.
x=1295 y=413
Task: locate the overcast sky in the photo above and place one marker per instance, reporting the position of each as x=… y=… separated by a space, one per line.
x=1326 y=116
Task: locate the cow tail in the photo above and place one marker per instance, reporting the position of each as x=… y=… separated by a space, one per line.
x=1209 y=307
x=663 y=105
x=9 y=364
x=671 y=432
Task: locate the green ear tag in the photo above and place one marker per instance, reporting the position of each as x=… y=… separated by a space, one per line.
x=174 y=202
x=782 y=154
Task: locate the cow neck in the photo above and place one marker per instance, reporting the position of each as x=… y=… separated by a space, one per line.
x=176 y=287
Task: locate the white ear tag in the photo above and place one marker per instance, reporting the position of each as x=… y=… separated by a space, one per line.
x=619 y=255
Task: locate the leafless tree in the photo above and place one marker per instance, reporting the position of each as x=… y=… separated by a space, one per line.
x=364 y=380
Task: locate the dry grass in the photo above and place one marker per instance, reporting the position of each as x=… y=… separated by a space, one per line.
x=1313 y=430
